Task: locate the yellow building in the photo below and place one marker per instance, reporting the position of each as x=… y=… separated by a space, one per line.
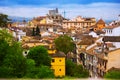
x=43 y=21
x=51 y=49
x=58 y=60
x=58 y=64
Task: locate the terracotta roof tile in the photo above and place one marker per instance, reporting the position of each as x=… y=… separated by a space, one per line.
x=100 y=22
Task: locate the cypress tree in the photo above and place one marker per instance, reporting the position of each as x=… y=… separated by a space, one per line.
x=33 y=32
x=37 y=31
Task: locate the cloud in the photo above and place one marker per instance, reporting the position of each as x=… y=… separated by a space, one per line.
x=107 y=11
x=24 y=11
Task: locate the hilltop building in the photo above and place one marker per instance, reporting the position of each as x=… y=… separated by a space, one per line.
x=54 y=17
x=79 y=22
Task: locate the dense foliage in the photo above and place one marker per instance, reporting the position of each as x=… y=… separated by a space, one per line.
x=36 y=31
x=14 y=65
x=40 y=55
x=113 y=74
x=74 y=70
x=38 y=63
x=64 y=43
x=39 y=71
x=12 y=62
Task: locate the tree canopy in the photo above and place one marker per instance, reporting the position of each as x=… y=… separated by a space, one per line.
x=64 y=43
x=3 y=20
x=38 y=71
x=74 y=70
x=38 y=63
x=37 y=31
x=40 y=55
x=14 y=65
x=113 y=74
x=12 y=62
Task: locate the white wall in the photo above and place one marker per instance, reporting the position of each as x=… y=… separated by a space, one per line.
x=108 y=32
x=93 y=34
x=20 y=34
x=112 y=31
x=116 y=44
x=116 y=31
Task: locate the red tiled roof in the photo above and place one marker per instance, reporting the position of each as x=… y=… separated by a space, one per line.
x=100 y=22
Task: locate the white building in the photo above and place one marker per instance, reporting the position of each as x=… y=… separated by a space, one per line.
x=93 y=34
x=112 y=31
x=45 y=34
x=17 y=33
x=20 y=34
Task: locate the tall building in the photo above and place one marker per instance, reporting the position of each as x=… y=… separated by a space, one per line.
x=53 y=12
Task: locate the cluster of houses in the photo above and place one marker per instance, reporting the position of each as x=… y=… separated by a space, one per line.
x=104 y=54
x=97 y=43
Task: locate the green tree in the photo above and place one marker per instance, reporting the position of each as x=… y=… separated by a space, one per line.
x=3 y=20
x=44 y=72
x=12 y=62
x=74 y=70
x=33 y=32
x=70 y=67
x=112 y=74
x=80 y=72
x=30 y=68
x=64 y=43
x=38 y=71
x=5 y=40
x=15 y=60
x=37 y=31
x=41 y=72
x=40 y=55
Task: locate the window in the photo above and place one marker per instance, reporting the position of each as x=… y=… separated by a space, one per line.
x=53 y=60
x=111 y=31
x=60 y=60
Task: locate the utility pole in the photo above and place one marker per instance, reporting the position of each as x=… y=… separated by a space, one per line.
x=64 y=13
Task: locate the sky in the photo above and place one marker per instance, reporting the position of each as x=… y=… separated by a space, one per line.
x=105 y=9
